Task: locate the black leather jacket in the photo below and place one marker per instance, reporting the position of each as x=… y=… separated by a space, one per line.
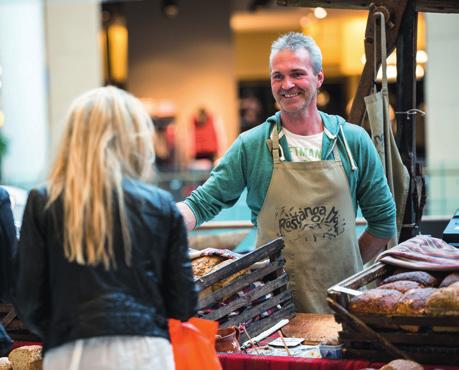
x=7 y=250
x=62 y=301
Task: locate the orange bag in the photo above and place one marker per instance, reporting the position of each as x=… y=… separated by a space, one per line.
x=193 y=343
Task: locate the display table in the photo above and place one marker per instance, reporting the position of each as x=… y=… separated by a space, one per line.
x=315 y=328
x=251 y=362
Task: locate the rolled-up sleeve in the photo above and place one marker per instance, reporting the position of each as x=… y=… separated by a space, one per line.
x=223 y=187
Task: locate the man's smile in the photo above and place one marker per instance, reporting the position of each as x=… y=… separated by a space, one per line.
x=290 y=95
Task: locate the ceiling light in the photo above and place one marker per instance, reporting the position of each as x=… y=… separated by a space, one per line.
x=320 y=13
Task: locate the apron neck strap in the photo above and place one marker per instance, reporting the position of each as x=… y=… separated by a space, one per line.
x=276 y=146
x=336 y=152
x=382 y=44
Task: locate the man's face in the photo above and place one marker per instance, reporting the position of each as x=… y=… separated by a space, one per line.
x=293 y=82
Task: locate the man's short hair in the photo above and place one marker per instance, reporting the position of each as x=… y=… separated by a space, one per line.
x=296 y=41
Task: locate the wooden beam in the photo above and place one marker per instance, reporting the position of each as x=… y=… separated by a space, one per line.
x=406 y=100
x=430 y=6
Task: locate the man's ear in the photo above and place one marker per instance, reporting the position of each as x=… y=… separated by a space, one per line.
x=320 y=79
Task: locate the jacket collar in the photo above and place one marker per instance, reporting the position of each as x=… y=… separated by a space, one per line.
x=331 y=130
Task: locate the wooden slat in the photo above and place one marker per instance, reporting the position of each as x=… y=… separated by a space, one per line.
x=241 y=263
x=431 y=6
x=240 y=283
x=286 y=312
x=426 y=321
x=258 y=309
x=248 y=298
x=424 y=358
x=406 y=338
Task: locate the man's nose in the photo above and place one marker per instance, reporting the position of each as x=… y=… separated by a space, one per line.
x=287 y=83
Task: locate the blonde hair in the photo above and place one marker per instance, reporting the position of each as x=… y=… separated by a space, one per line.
x=108 y=136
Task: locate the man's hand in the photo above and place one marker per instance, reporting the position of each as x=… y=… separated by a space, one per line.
x=188 y=215
x=370 y=246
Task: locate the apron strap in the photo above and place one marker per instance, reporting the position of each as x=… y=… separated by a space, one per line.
x=336 y=152
x=382 y=40
x=276 y=146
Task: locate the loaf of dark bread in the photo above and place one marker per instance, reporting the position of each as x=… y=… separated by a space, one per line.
x=380 y=301
x=402 y=285
x=420 y=277
x=450 y=279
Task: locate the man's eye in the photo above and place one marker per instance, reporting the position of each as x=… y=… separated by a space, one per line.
x=297 y=75
x=276 y=77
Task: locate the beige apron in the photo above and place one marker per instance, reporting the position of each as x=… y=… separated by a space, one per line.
x=377 y=106
x=309 y=204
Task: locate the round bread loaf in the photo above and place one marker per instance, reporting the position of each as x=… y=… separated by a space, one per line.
x=402 y=285
x=414 y=301
x=444 y=302
x=5 y=364
x=203 y=265
x=26 y=358
x=450 y=279
x=380 y=301
x=420 y=277
x=402 y=365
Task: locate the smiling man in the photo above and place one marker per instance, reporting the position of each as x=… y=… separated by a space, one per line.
x=306 y=173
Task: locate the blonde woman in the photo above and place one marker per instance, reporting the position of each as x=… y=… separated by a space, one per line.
x=103 y=255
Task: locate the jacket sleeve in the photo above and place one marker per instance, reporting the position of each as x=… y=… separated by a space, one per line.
x=32 y=295
x=373 y=193
x=7 y=245
x=223 y=187
x=179 y=290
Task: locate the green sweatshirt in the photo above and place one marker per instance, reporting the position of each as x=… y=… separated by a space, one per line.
x=248 y=164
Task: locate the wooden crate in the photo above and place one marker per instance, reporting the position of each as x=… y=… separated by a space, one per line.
x=241 y=294
x=381 y=338
x=14 y=326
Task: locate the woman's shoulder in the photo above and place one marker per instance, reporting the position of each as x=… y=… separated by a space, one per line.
x=142 y=193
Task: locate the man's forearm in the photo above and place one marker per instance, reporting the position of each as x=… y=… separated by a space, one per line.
x=370 y=246
x=188 y=215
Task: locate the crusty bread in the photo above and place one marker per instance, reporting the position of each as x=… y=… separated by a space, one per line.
x=5 y=364
x=444 y=302
x=420 y=277
x=203 y=265
x=26 y=358
x=450 y=279
x=381 y=301
x=402 y=365
x=402 y=285
x=413 y=302
x=314 y=328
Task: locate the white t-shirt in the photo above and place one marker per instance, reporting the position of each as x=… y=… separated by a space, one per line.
x=304 y=148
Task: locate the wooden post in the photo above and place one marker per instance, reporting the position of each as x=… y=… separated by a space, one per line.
x=406 y=100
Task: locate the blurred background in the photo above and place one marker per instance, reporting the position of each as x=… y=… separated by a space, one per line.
x=201 y=69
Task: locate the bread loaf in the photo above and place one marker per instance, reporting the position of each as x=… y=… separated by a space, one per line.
x=381 y=301
x=420 y=277
x=203 y=265
x=402 y=365
x=450 y=279
x=413 y=302
x=26 y=358
x=444 y=302
x=5 y=364
x=402 y=285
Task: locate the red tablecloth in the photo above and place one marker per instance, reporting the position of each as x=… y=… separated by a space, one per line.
x=251 y=362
